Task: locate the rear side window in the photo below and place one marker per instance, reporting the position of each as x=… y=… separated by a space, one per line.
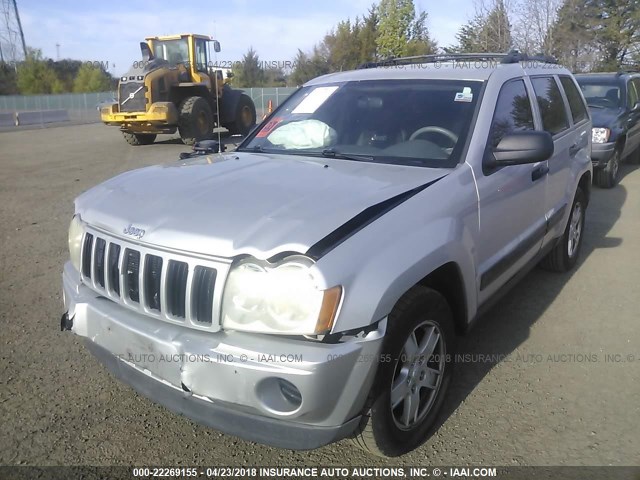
x=636 y=82
x=578 y=109
x=513 y=112
x=632 y=94
x=554 y=115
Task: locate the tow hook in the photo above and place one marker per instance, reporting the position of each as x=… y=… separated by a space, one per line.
x=66 y=323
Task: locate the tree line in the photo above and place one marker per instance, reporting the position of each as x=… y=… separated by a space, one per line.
x=584 y=35
x=38 y=75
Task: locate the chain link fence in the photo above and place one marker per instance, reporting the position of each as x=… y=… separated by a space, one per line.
x=262 y=96
x=18 y=110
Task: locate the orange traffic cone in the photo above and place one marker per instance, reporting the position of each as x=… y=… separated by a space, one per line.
x=269 y=109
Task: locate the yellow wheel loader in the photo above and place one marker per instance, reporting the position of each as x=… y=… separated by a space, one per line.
x=175 y=87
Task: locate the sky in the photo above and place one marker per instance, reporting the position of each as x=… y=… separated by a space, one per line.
x=111 y=31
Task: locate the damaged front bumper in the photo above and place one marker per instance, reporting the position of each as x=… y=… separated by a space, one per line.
x=281 y=391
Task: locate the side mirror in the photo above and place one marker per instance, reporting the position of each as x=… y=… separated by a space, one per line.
x=520 y=148
x=216 y=46
x=147 y=56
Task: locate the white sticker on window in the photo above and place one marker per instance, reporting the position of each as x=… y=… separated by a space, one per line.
x=313 y=101
x=464 y=96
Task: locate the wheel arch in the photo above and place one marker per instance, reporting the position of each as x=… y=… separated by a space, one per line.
x=621 y=141
x=447 y=280
x=178 y=94
x=585 y=185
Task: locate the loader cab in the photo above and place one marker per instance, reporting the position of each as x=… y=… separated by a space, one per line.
x=193 y=53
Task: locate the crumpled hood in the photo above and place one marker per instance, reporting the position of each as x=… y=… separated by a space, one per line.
x=244 y=203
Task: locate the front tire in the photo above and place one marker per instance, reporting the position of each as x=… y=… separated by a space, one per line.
x=139 y=138
x=607 y=177
x=565 y=254
x=195 y=122
x=413 y=375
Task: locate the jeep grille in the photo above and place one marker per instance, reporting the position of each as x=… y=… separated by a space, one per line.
x=172 y=287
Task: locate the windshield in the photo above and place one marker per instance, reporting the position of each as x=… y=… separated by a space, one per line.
x=411 y=122
x=173 y=51
x=604 y=95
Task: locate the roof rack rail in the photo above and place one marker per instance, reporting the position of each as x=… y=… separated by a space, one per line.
x=628 y=69
x=513 y=56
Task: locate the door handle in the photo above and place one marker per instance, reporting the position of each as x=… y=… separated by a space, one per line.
x=539 y=172
x=574 y=149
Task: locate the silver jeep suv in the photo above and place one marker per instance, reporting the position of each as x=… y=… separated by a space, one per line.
x=310 y=286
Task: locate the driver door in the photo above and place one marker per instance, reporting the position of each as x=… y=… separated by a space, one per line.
x=511 y=198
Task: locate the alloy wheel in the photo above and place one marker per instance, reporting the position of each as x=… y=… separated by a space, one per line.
x=418 y=375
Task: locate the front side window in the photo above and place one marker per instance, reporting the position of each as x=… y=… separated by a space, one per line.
x=578 y=109
x=173 y=51
x=551 y=104
x=410 y=122
x=513 y=112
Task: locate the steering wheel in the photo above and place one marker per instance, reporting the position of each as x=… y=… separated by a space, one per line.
x=442 y=131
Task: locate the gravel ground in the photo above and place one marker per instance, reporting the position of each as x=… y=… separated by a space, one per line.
x=554 y=399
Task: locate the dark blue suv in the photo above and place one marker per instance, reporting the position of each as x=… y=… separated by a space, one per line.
x=614 y=102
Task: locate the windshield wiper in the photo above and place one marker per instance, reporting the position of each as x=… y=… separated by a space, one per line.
x=255 y=148
x=331 y=153
x=594 y=106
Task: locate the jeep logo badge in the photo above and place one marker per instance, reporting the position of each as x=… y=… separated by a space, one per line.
x=134 y=231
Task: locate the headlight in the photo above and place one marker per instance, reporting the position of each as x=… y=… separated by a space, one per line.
x=278 y=298
x=600 y=135
x=75 y=241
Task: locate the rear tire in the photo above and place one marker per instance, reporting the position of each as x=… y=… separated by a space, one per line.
x=245 y=116
x=195 y=121
x=565 y=254
x=607 y=177
x=414 y=372
x=139 y=138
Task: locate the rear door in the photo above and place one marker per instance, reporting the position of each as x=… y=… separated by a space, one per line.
x=511 y=198
x=570 y=138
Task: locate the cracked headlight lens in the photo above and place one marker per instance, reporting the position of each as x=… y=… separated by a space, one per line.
x=280 y=299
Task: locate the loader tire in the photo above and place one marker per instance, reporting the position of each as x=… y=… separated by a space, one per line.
x=139 y=138
x=195 y=122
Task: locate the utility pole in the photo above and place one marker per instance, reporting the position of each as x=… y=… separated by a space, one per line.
x=24 y=45
x=13 y=47
x=57 y=52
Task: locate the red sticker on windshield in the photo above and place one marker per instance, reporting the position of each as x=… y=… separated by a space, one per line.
x=269 y=126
